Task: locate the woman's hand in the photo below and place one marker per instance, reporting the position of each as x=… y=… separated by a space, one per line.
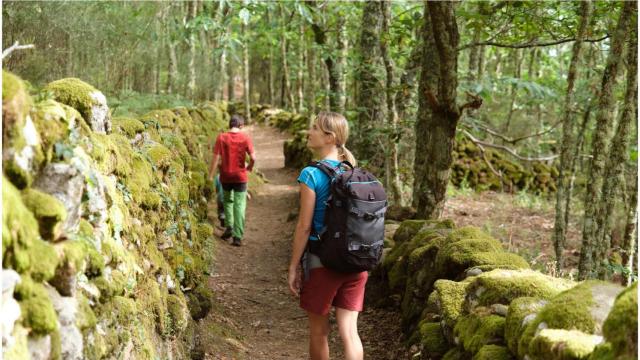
x=295 y=279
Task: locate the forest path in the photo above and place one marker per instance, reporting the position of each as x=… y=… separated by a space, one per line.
x=254 y=315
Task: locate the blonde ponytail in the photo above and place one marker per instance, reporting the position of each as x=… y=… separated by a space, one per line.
x=345 y=154
x=337 y=125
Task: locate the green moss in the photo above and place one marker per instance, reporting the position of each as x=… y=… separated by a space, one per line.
x=85 y=318
x=432 y=339
x=200 y=302
x=407 y=230
x=455 y=354
x=53 y=121
x=450 y=297
x=16 y=104
x=141 y=178
x=159 y=155
x=20 y=349
x=127 y=126
x=75 y=93
x=110 y=286
x=48 y=210
x=621 y=326
x=467 y=232
x=121 y=310
x=162 y=118
x=605 y=352
x=559 y=344
x=38 y=313
x=503 y=286
x=569 y=310
x=475 y=331
x=493 y=352
x=521 y=312
x=151 y=298
x=178 y=313
x=455 y=257
x=151 y=200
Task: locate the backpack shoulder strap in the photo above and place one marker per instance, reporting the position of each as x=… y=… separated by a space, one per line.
x=326 y=169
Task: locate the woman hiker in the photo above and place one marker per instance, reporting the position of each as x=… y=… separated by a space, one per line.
x=320 y=288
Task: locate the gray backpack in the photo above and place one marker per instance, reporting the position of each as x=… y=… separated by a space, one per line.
x=353 y=235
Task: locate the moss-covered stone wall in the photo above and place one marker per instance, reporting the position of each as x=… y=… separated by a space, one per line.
x=106 y=242
x=462 y=296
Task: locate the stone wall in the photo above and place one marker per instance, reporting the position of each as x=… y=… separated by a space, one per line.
x=462 y=296
x=106 y=242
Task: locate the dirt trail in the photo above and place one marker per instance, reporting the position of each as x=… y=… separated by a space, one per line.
x=254 y=316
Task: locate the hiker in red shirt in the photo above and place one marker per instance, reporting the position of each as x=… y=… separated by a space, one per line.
x=232 y=148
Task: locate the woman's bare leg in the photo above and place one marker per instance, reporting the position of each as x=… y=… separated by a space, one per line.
x=318 y=336
x=348 y=328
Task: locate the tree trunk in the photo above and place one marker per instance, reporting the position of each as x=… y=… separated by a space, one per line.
x=270 y=76
x=602 y=134
x=391 y=159
x=630 y=239
x=300 y=73
x=193 y=8
x=370 y=95
x=311 y=76
x=618 y=155
x=173 y=68
x=568 y=130
x=245 y=75
x=407 y=80
x=473 y=58
x=517 y=71
x=481 y=54
x=438 y=112
x=286 y=83
x=342 y=43
x=231 y=82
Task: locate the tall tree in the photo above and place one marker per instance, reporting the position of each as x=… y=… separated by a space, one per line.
x=391 y=156
x=602 y=135
x=192 y=13
x=440 y=127
x=370 y=97
x=568 y=135
x=618 y=154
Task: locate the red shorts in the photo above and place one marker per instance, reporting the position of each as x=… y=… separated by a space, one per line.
x=325 y=288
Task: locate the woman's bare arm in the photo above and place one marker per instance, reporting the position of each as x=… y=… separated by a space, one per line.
x=302 y=232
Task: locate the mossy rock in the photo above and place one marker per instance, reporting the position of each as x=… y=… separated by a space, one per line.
x=54 y=122
x=48 y=210
x=583 y=307
x=159 y=156
x=407 y=230
x=433 y=341
x=23 y=250
x=503 y=286
x=475 y=331
x=141 y=178
x=455 y=257
x=493 y=352
x=178 y=313
x=456 y=354
x=200 y=302
x=86 y=317
x=20 y=140
x=89 y=101
x=164 y=118
x=37 y=312
x=113 y=284
x=127 y=126
x=520 y=313
x=560 y=344
x=449 y=297
x=621 y=326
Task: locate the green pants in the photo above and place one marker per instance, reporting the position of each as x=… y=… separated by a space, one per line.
x=235 y=203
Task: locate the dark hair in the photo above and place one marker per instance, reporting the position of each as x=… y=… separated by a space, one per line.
x=236 y=121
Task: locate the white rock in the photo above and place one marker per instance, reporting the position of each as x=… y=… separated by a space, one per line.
x=40 y=347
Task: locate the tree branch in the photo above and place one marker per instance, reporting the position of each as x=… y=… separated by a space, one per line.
x=531 y=43
x=509 y=150
x=16 y=46
x=513 y=141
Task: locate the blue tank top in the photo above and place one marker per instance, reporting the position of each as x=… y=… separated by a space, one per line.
x=320 y=183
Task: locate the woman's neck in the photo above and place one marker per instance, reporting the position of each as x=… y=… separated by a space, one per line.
x=330 y=153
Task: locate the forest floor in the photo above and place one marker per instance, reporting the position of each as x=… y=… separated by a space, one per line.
x=255 y=316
